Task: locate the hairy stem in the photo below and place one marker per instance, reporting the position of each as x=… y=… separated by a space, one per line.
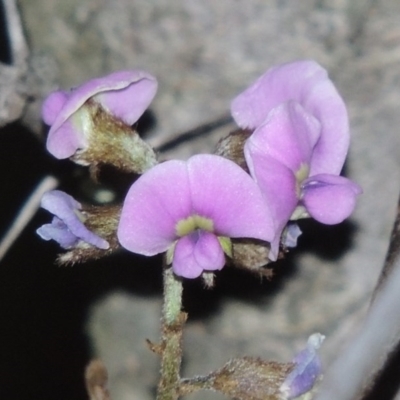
x=173 y=320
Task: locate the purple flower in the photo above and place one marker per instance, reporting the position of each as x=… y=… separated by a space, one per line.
x=124 y=94
x=306 y=83
x=191 y=209
x=67 y=227
x=299 y=144
x=306 y=371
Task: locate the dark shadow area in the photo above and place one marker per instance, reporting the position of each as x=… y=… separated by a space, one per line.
x=232 y=282
x=387 y=383
x=327 y=241
x=44 y=312
x=43 y=307
x=146 y=123
x=5 y=45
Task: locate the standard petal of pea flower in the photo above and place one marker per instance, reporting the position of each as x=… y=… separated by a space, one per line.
x=67 y=227
x=306 y=83
x=190 y=210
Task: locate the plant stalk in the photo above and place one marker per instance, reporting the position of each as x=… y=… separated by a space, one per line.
x=173 y=320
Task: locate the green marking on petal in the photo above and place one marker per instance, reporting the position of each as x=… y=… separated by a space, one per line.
x=226 y=245
x=300 y=212
x=301 y=174
x=188 y=225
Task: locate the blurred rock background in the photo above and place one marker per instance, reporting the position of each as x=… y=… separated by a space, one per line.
x=203 y=53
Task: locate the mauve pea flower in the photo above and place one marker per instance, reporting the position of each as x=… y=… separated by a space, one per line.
x=299 y=144
x=280 y=157
x=123 y=94
x=190 y=210
x=306 y=371
x=67 y=227
x=306 y=83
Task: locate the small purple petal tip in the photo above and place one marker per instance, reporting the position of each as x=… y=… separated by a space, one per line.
x=197 y=252
x=53 y=105
x=330 y=199
x=59 y=232
x=291 y=234
x=306 y=371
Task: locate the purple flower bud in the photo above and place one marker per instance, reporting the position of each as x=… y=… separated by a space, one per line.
x=306 y=371
x=191 y=209
x=123 y=94
x=67 y=227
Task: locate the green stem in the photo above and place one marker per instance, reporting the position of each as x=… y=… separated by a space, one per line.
x=173 y=320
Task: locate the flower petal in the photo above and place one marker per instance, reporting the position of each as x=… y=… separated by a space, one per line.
x=64 y=142
x=60 y=204
x=127 y=103
x=307 y=83
x=289 y=135
x=59 y=232
x=153 y=206
x=52 y=106
x=278 y=185
x=208 y=251
x=197 y=252
x=290 y=235
x=225 y=193
x=329 y=198
x=306 y=371
x=131 y=101
x=64 y=207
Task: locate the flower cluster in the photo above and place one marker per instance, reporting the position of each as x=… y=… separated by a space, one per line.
x=239 y=204
x=296 y=142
